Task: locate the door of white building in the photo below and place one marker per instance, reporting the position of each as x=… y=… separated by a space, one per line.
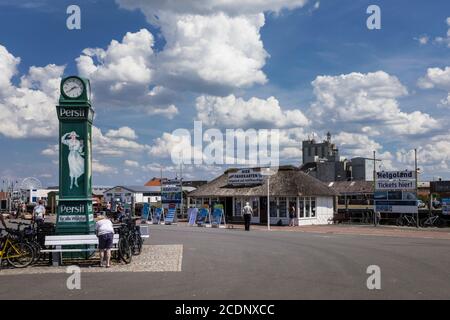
x=239 y=204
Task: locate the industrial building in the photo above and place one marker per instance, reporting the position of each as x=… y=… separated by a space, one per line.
x=322 y=161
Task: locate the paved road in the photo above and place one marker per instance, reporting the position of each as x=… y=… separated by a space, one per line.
x=233 y=264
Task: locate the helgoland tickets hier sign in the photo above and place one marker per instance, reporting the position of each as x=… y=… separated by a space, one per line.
x=395 y=180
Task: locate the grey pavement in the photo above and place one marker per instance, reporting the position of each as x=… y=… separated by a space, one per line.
x=233 y=264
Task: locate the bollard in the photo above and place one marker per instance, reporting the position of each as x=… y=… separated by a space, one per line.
x=57 y=257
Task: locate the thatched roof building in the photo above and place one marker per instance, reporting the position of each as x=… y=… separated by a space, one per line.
x=290 y=191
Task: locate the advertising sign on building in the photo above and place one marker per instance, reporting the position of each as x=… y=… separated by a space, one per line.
x=445 y=206
x=245 y=177
x=171 y=191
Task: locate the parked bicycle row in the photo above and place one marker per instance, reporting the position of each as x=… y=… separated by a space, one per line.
x=22 y=246
x=430 y=221
x=426 y=220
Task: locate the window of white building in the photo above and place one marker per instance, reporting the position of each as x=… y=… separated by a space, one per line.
x=282 y=205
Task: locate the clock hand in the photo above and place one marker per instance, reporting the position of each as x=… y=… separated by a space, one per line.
x=72 y=88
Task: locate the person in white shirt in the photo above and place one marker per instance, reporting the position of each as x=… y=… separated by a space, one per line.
x=39 y=213
x=105 y=232
x=247 y=211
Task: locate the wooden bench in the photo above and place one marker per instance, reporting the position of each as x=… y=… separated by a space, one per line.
x=57 y=242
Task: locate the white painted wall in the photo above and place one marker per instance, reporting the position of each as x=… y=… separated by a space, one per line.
x=138 y=197
x=324 y=212
x=39 y=194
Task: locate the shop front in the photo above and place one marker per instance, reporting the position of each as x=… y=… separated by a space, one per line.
x=311 y=199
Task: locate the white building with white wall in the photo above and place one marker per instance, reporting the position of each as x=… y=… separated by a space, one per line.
x=132 y=194
x=32 y=196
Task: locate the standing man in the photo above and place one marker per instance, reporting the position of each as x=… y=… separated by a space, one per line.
x=292 y=216
x=247 y=211
x=39 y=213
x=105 y=232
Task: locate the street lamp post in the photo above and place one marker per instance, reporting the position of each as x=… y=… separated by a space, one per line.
x=268 y=172
x=417 y=193
x=268 y=203
x=374 y=188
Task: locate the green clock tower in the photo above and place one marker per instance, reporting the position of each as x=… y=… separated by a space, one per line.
x=75 y=114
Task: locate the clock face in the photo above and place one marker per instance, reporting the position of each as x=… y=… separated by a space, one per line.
x=73 y=87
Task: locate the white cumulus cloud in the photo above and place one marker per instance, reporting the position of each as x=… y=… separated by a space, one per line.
x=131 y=163
x=123 y=132
x=28 y=110
x=366 y=103
x=211 y=53
x=153 y=8
x=435 y=77
x=233 y=112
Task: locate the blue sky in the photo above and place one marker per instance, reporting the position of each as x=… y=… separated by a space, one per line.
x=401 y=107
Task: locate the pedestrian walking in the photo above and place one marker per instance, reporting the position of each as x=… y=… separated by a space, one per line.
x=248 y=212
x=292 y=216
x=105 y=232
x=39 y=213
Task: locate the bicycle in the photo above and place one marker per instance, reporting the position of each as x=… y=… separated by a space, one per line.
x=406 y=220
x=18 y=254
x=432 y=221
x=134 y=236
x=29 y=236
x=124 y=252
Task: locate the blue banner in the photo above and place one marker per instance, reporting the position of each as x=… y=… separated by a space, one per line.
x=145 y=211
x=192 y=214
x=170 y=215
x=157 y=215
x=217 y=214
x=202 y=215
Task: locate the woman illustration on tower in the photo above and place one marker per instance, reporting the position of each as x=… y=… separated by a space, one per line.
x=75 y=159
